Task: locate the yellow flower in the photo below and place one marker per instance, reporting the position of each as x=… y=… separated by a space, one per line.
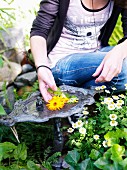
x=56 y=103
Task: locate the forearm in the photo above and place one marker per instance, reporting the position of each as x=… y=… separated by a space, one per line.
x=39 y=50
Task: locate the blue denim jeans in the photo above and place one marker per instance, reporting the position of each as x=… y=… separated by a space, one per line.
x=77 y=69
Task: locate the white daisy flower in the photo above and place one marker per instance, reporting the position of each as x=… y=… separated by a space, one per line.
x=74 y=125
x=70 y=130
x=103 y=87
x=108 y=100
x=85 y=112
x=79 y=123
x=111 y=106
x=85 y=108
x=82 y=130
x=125 y=85
x=113 y=88
x=107 y=91
x=122 y=96
x=96 y=137
x=118 y=106
x=120 y=102
x=115 y=97
x=113 y=123
x=98 y=88
x=105 y=143
x=113 y=116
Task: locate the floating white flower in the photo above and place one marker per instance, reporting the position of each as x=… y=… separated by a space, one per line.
x=74 y=125
x=105 y=143
x=96 y=137
x=79 y=123
x=120 y=102
x=70 y=130
x=111 y=106
x=103 y=87
x=82 y=130
x=108 y=100
x=85 y=112
x=115 y=97
x=107 y=91
x=122 y=96
x=113 y=123
x=113 y=116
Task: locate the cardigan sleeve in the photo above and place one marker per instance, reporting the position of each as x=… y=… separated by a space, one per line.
x=124 y=23
x=45 y=18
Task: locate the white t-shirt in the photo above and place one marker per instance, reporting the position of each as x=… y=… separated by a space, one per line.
x=81 y=30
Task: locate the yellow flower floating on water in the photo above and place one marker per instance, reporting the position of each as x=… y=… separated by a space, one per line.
x=57 y=103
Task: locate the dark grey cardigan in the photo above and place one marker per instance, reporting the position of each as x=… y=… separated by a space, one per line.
x=51 y=16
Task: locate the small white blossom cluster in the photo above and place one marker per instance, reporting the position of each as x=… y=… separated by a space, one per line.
x=114 y=102
x=98 y=88
x=78 y=125
x=113 y=118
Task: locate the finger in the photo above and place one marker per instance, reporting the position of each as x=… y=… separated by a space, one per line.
x=113 y=72
x=103 y=75
x=99 y=69
x=43 y=89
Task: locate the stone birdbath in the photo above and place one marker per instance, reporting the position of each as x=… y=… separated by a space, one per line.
x=33 y=109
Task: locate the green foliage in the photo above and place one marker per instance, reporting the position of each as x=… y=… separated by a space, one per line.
x=16 y=157
x=101 y=137
x=2 y=111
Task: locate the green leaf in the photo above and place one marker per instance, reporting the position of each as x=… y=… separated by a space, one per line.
x=72 y=157
x=101 y=163
x=20 y=152
x=6 y=149
x=123 y=163
x=117 y=152
x=32 y=166
x=94 y=154
x=1 y=62
x=83 y=165
x=2 y=111
x=112 y=137
x=124 y=122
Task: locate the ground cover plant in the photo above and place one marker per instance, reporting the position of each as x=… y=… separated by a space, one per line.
x=99 y=139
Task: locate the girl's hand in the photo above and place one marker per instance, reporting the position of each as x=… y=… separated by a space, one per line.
x=46 y=80
x=111 y=65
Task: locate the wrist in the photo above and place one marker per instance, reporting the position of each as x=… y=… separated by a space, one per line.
x=44 y=66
